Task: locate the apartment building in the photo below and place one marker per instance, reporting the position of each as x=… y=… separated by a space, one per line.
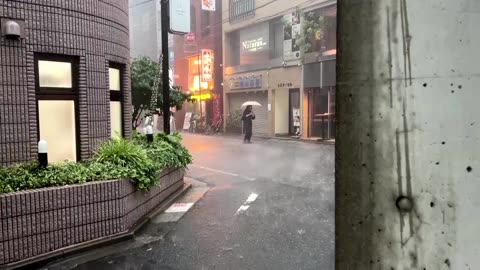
x=281 y=54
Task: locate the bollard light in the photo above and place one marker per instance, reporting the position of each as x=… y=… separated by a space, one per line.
x=149 y=131
x=43 y=153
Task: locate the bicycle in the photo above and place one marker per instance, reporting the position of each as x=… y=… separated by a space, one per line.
x=215 y=127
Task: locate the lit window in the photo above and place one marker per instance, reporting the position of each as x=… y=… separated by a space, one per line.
x=114 y=79
x=55 y=74
x=56 y=93
x=57 y=126
x=116 y=119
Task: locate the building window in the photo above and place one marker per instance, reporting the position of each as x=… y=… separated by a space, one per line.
x=241 y=9
x=115 y=86
x=276 y=38
x=56 y=92
x=55 y=74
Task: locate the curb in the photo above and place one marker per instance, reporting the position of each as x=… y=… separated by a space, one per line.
x=44 y=259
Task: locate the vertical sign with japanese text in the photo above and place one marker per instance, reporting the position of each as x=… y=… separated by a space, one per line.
x=207 y=65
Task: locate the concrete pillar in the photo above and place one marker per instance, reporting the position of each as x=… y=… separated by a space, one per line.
x=408 y=117
x=303 y=106
x=271 y=112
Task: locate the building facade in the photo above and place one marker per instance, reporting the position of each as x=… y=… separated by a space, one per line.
x=281 y=55
x=198 y=62
x=64 y=77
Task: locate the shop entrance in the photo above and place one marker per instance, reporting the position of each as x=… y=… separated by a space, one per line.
x=322 y=112
x=294 y=111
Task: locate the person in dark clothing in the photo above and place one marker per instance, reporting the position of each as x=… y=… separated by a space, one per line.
x=247 y=118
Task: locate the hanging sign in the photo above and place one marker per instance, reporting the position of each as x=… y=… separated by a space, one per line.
x=207 y=65
x=179 y=16
x=208 y=5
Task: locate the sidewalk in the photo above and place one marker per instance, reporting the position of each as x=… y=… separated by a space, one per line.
x=240 y=136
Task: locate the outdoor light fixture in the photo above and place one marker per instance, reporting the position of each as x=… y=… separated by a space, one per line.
x=149 y=131
x=43 y=153
x=11 y=29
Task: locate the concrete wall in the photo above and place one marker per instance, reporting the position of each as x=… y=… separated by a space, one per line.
x=281 y=111
x=408 y=119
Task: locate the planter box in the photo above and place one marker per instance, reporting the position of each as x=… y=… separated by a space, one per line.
x=37 y=222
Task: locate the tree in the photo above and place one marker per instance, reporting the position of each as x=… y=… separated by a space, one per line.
x=147 y=90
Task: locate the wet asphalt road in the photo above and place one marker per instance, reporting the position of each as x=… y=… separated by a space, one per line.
x=290 y=225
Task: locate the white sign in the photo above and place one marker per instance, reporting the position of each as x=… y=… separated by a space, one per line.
x=186 y=122
x=296 y=117
x=208 y=5
x=179 y=16
x=179 y=207
x=269 y=107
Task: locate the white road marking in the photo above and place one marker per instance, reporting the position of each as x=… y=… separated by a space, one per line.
x=223 y=172
x=242 y=209
x=252 y=197
x=179 y=207
x=246 y=204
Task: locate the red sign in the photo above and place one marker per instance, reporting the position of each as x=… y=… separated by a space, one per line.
x=190 y=37
x=207 y=65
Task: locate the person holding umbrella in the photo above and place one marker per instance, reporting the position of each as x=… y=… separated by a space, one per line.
x=247 y=118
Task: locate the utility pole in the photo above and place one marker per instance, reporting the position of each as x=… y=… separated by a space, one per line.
x=165 y=67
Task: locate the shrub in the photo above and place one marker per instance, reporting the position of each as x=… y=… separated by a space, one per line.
x=115 y=159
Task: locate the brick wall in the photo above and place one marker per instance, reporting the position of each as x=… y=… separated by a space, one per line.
x=38 y=222
x=95 y=31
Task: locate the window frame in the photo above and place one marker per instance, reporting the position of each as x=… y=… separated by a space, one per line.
x=54 y=93
x=117 y=95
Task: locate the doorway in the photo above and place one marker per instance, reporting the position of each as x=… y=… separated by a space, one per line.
x=294 y=111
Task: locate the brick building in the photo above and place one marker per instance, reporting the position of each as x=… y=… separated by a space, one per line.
x=65 y=80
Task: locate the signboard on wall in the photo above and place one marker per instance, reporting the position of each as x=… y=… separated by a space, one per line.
x=246 y=82
x=207 y=65
x=208 y=5
x=292 y=28
x=186 y=121
x=255 y=38
x=190 y=38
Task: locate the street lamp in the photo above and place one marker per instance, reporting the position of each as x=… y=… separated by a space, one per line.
x=43 y=153
x=149 y=131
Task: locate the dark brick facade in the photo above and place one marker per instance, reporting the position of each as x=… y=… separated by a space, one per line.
x=95 y=31
x=36 y=223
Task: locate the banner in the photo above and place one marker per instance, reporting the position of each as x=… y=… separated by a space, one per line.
x=292 y=28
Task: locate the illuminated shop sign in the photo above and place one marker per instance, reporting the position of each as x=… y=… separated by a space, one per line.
x=207 y=65
x=254 y=44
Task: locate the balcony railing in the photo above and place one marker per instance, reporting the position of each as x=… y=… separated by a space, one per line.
x=241 y=9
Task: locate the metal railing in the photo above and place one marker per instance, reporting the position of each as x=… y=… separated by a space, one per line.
x=241 y=9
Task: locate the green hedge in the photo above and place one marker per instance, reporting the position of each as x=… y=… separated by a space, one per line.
x=133 y=159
